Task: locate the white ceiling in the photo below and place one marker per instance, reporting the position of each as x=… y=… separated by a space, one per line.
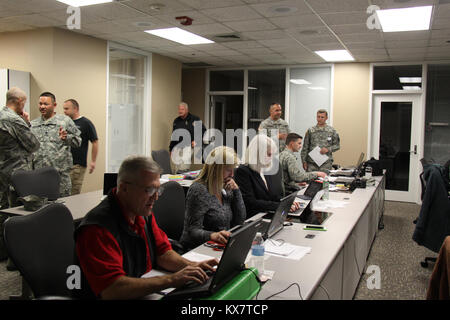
x=271 y=32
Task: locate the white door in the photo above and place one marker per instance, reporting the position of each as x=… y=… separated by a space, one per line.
x=396 y=131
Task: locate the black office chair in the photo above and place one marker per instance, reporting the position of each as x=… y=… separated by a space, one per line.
x=162 y=157
x=43 y=182
x=432 y=224
x=169 y=213
x=276 y=181
x=41 y=245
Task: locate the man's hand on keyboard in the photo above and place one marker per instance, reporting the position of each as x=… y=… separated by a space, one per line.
x=187 y=274
x=207 y=264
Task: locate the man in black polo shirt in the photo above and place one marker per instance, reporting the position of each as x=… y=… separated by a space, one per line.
x=88 y=133
x=188 y=122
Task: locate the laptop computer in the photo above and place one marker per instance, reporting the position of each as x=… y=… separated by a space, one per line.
x=314 y=217
x=269 y=229
x=313 y=188
x=349 y=171
x=231 y=263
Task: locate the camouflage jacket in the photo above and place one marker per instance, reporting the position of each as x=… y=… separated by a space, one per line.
x=323 y=137
x=293 y=171
x=55 y=152
x=281 y=125
x=17 y=143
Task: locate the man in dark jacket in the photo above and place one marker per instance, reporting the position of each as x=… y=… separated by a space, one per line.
x=119 y=240
x=185 y=128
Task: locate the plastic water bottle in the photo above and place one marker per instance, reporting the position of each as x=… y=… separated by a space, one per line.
x=368 y=173
x=326 y=188
x=258 y=253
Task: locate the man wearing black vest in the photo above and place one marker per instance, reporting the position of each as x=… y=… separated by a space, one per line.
x=119 y=240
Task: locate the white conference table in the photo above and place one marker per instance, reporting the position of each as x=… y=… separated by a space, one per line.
x=338 y=256
x=78 y=205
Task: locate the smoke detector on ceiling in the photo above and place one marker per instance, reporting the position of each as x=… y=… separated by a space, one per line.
x=282 y=9
x=143 y=24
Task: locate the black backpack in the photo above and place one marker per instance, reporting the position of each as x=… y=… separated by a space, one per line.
x=377 y=168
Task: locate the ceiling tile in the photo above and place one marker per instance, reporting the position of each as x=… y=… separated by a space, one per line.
x=340 y=18
x=267 y=34
x=232 y=13
x=113 y=11
x=285 y=8
x=206 y=4
x=325 y=46
x=209 y=29
x=406 y=44
x=298 y=21
x=409 y=35
x=251 y=25
x=364 y=37
x=242 y=44
x=443 y=11
x=353 y=28
x=257 y=51
x=198 y=18
x=325 y=6
x=169 y=6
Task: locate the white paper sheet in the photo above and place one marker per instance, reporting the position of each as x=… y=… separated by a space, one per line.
x=298 y=253
x=318 y=158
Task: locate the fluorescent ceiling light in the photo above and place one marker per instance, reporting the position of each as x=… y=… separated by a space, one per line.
x=335 y=55
x=410 y=80
x=82 y=3
x=405 y=19
x=411 y=88
x=316 y=88
x=252 y=88
x=299 y=81
x=179 y=35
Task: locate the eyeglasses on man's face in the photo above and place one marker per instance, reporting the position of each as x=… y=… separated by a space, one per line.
x=150 y=191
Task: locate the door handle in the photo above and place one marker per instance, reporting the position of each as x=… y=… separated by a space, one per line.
x=415 y=150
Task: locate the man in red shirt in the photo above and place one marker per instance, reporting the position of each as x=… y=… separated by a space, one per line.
x=118 y=241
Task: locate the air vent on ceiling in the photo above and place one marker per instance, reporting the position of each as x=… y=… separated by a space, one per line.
x=197 y=64
x=227 y=37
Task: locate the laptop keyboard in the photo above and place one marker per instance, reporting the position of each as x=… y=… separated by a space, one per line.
x=193 y=284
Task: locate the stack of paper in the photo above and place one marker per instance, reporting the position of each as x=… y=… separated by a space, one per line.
x=286 y=250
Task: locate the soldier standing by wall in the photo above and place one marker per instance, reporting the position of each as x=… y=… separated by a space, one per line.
x=323 y=136
x=17 y=142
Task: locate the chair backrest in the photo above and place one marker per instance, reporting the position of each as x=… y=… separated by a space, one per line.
x=276 y=182
x=169 y=210
x=162 y=157
x=43 y=182
x=41 y=245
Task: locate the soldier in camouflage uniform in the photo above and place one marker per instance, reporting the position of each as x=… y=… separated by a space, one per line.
x=325 y=137
x=57 y=133
x=292 y=171
x=274 y=121
x=17 y=142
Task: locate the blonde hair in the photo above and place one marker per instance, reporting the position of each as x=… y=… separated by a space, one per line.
x=212 y=172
